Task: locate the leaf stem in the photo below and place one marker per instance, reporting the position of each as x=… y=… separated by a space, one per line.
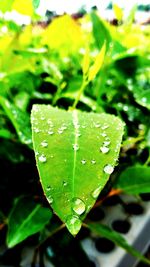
x=81 y=90
x=113 y=192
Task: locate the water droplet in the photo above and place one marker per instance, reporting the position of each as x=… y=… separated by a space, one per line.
x=144 y=99
x=75 y=147
x=64 y=183
x=104 y=127
x=60 y=131
x=36 y=130
x=125 y=108
x=64 y=127
x=78 y=134
x=103 y=134
x=50 y=200
x=42 y=118
x=106 y=143
x=78 y=206
x=48 y=188
x=44 y=143
x=83 y=161
x=50 y=132
x=108 y=169
x=96 y=192
x=104 y=149
x=49 y=122
x=93 y=161
x=42 y=158
x=36 y=153
x=97 y=125
x=73 y=224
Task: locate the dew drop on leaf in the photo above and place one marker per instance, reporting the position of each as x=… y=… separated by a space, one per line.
x=104 y=149
x=97 y=125
x=108 y=169
x=103 y=134
x=50 y=132
x=75 y=147
x=42 y=158
x=83 y=161
x=96 y=192
x=74 y=224
x=106 y=143
x=60 y=130
x=50 y=199
x=93 y=161
x=104 y=127
x=64 y=183
x=48 y=188
x=44 y=143
x=36 y=130
x=78 y=206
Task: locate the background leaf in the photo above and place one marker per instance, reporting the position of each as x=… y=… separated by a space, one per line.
x=76 y=153
x=36 y=3
x=118 y=12
x=26 y=218
x=134 y=180
x=19 y=119
x=105 y=231
x=100 y=31
x=98 y=63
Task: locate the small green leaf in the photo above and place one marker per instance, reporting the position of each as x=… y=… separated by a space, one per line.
x=118 y=12
x=19 y=119
x=4 y=133
x=100 y=31
x=97 y=64
x=26 y=218
x=134 y=180
x=75 y=153
x=36 y=3
x=105 y=231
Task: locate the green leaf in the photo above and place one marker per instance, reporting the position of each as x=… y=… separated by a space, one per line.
x=4 y=133
x=134 y=180
x=100 y=31
x=19 y=119
x=26 y=218
x=75 y=153
x=105 y=231
x=118 y=12
x=36 y=3
x=142 y=97
x=97 y=64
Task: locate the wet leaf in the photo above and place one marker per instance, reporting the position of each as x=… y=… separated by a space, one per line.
x=26 y=218
x=134 y=180
x=118 y=239
x=75 y=153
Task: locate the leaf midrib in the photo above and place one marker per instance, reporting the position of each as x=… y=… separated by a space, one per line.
x=75 y=123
